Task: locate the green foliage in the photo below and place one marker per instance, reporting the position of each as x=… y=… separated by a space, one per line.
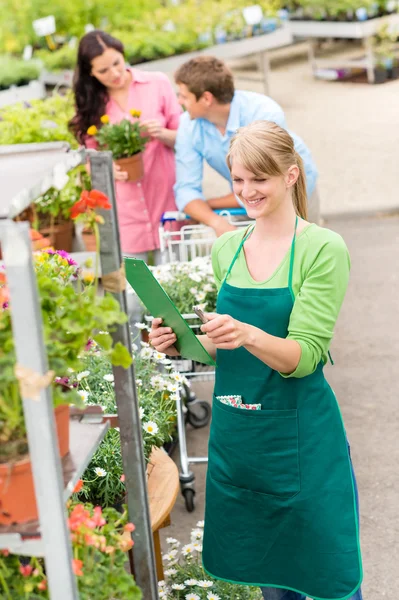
x=122 y=139
x=58 y=60
x=72 y=313
x=17 y=72
x=384 y=45
x=100 y=540
x=41 y=121
x=183 y=567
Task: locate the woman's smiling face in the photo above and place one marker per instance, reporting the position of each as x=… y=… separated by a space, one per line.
x=261 y=195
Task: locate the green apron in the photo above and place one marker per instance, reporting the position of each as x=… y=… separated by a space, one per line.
x=280 y=502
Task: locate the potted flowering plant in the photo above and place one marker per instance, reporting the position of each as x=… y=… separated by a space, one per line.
x=185 y=576
x=100 y=540
x=72 y=313
x=157 y=386
x=126 y=142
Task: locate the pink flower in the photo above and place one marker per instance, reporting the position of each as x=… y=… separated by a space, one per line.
x=123 y=478
x=129 y=527
x=77 y=567
x=26 y=570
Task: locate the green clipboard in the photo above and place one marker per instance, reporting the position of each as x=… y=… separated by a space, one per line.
x=157 y=301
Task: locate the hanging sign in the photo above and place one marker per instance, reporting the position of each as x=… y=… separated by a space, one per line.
x=252 y=14
x=45 y=26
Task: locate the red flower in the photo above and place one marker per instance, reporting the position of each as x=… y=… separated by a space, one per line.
x=42 y=585
x=5 y=552
x=26 y=570
x=78 y=487
x=88 y=201
x=77 y=567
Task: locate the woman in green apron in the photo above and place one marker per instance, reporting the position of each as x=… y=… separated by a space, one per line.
x=281 y=500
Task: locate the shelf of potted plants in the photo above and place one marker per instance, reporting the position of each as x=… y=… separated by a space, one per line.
x=36 y=306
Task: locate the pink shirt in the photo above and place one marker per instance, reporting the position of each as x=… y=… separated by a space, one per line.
x=141 y=205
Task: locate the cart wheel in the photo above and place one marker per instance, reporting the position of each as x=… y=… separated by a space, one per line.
x=200 y=415
x=189 y=495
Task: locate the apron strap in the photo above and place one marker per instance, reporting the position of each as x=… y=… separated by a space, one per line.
x=246 y=236
x=292 y=255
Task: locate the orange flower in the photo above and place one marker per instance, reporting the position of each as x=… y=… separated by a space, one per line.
x=78 y=487
x=77 y=567
x=129 y=527
x=88 y=201
x=42 y=585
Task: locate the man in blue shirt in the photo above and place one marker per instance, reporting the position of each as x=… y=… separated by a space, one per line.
x=214 y=112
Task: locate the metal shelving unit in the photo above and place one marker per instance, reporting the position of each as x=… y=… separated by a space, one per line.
x=357 y=30
x=41 y=165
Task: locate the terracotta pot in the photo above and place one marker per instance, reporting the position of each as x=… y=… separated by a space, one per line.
x=89 y=240
x=133 y=165
x=17 y=492
x=60 y=236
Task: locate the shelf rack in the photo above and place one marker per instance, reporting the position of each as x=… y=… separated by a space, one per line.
x=42 y=165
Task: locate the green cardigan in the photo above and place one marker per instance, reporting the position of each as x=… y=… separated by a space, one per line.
x=320 y=279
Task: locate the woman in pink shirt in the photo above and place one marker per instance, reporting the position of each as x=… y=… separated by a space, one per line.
x=103 y=84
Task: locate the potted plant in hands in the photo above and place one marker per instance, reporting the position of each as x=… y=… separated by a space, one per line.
x=72 y=313
x=126 y=142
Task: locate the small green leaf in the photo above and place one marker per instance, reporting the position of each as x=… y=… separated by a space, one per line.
x=104 y=340
x=120 y=356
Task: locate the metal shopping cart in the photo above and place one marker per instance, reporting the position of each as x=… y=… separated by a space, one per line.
x=185 y=244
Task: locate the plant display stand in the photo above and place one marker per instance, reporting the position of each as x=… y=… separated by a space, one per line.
x=359 y=30
x=34 y=90
x=259 y=45
x=54 y=479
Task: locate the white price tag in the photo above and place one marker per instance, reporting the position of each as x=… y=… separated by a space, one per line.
x=27 y=53
x=252 y=14
x=45 y=26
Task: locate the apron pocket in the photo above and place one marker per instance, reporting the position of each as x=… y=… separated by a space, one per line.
x=255 y=450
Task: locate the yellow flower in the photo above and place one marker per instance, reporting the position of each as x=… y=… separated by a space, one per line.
x=88 y=277
x=92 y=130
x=135 y=113
x=104 y=119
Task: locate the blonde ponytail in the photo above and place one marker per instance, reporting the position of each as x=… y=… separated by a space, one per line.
x=265 y=148
x=300 y=197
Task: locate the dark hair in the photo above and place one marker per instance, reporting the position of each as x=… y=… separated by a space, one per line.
x=90 y=95
x=207 y=74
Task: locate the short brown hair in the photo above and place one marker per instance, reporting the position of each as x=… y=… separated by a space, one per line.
x=207 y=74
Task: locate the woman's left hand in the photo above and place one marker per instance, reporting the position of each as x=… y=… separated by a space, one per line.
x=225 y=332
x=153 y=128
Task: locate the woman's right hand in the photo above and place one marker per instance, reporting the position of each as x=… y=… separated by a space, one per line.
x=162 y=338
x=119 y=175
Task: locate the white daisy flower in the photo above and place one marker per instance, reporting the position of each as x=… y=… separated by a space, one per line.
x=200 y=523
x=174 y=397
x=192 y=597
x=100 y=472
x=191 y=582
x=135 y=347
x=109 y=377
x=195 y=277
x=176 y=377
x=158 y=355
x=157 y=382
x=146 y=353
x=145 y=344
x=173 y=387
x=205 y=584
x=200 y=296
x=211 y=596
x=197 y=547
x=161 y=583
x=139 y=382
x=168 y=557
x=208 y=287
x=187 y=549
x=197 y=534
x=141 y=326
x=178 y=586
x=151 y=427
x=141 y=412
x=173 y=552
x=172 y=541
x=163 y=594
x=170 y=572
x=193 y=291
x=82 y=375
x=84 y=395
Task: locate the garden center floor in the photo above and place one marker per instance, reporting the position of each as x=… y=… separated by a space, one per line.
x=352 y=130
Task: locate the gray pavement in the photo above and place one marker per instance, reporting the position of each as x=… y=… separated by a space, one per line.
x=365 y=351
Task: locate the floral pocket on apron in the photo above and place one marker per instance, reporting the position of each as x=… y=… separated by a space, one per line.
x=255 y=450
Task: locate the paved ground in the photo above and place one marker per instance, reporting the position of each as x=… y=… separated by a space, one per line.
x=352 y=130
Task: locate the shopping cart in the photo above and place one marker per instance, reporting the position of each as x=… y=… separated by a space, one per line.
x=187 y=243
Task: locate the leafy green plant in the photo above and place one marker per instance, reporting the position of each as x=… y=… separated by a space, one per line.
x=100 y=540
x=384 y=46
x=123 y=139
x=185 y=576
x=63 y=58
x=14 y=71
x=38 y=121
x=157 y=386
